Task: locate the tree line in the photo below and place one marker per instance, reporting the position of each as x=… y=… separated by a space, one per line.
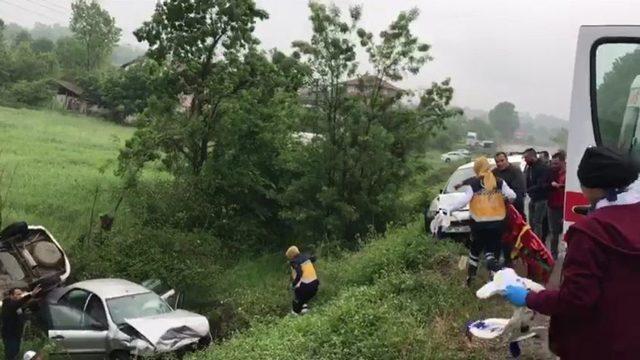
x=82 y=53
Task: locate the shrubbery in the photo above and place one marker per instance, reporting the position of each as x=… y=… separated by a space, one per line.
x=27 y=93
x=399 y=297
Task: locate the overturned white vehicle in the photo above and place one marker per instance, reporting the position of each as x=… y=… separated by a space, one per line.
x=94 y=319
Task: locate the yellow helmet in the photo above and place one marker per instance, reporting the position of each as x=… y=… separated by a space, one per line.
x=292 y=252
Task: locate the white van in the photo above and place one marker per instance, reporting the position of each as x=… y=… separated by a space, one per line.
x=605 y=103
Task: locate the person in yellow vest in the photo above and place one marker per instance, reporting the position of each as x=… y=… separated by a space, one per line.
x=485 y=195
x=304 y=281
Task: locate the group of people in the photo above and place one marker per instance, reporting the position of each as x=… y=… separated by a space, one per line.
x=543 y=181
x=594 y=312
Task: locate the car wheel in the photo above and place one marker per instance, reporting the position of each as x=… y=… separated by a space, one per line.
x=120 y=355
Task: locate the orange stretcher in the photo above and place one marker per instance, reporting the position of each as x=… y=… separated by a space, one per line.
x=527 y=246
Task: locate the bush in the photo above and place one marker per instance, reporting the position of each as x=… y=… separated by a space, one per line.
x=396 y=298
x=29 y=93
x=185 y=261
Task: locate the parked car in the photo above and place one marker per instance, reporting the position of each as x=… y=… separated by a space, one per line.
x=31 y=256
x=460 y=220
x=454 y=156
x=118 y=319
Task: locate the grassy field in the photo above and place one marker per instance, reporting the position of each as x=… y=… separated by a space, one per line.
x=52 y=164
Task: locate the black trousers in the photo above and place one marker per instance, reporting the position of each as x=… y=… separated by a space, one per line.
x=11 y=347
x=487 y=237
x=303 y=294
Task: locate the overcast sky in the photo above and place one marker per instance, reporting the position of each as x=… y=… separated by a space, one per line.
x=494 y=50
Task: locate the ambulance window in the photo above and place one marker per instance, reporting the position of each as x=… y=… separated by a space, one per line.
x=617 y=88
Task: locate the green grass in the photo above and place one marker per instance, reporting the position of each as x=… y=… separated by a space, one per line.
x=400 y=296
x=52 y=164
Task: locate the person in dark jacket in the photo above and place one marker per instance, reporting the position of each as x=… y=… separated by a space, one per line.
x=514 y=177
x=304 y=281
x=555 y=210
x=595 y=312
x=13 y=321
x=537 y=178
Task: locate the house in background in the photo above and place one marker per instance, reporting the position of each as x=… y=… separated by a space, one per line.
x=69 y=96
x=361 y=86
x=366 y=84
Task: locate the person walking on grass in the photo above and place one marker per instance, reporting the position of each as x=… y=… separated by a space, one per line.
x=304 y=281
x=537 y=175
x=555 y=205
x=595 y=312
x=485 y=196
x=13 y=320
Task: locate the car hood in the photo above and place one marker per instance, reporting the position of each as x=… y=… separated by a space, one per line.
x=169 y=332
x=446 y=200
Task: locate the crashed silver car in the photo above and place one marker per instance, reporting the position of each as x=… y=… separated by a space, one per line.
x=94 y=319
x=118 y=319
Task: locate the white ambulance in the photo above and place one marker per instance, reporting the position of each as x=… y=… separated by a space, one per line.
x=605 y=104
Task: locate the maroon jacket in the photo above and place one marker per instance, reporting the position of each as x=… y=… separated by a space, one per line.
x=596 y=312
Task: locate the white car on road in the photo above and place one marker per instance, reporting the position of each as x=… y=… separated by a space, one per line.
x=456 y=155
x=460 y=220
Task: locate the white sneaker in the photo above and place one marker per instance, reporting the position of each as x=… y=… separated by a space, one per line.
x=304 y=311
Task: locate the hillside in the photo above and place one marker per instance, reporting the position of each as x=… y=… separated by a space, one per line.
x=397 y=295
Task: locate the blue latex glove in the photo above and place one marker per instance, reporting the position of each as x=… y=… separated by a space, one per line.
x=517 y=295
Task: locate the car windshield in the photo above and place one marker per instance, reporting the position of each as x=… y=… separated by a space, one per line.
x=136 y=306
x=457 y=177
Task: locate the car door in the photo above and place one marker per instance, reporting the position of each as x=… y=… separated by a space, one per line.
x=78 y=326
x=605 y=100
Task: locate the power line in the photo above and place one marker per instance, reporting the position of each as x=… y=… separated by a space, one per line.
x=55 y=4
x=48 y=8
x=30 y=11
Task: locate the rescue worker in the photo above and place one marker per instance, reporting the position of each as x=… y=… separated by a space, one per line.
x=13 y=320
x=486 y=198
x=304 y=281
x=595 y=312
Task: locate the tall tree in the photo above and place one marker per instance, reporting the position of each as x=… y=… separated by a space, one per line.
x=42 y=45
x=352 y=177
x=70 y=55
x=2 y=27
x=204 y=44
x=96 y=30
x=22 y=37
x=504 y=119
